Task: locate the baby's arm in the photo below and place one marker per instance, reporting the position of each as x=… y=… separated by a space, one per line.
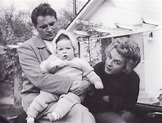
x=95 y=79
x=52 y=64
x=88 y=71
x=78 y=63
x=45 y=64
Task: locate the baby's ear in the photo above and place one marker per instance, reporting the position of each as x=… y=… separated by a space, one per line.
x=76 y=55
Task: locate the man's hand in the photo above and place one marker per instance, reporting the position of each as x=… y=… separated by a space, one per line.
x=80 y=87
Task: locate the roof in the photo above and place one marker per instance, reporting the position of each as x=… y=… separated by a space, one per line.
x=121 y=29
x=86 y=12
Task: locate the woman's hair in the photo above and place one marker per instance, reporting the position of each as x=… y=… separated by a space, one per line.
x=43 y=9
x=128 y=49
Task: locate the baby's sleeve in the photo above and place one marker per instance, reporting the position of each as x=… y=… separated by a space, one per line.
x=81 y=64
x=45 y=65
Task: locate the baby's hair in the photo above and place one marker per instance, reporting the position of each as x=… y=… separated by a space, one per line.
x=67 y=36
x=62 y=36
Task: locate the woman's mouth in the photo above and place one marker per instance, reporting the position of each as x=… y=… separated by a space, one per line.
x=108 y=69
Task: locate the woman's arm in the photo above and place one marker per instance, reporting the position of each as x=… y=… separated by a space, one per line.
x=133 y=91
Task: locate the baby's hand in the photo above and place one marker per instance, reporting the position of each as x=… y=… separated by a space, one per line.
x=57 y=63
x=30 y=120
x=98 y=85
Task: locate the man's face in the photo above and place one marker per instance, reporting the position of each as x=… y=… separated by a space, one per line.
x=114 y=62
x=65 y=51
x=46 y=27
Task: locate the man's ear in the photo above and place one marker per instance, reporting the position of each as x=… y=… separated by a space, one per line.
x=124 y=70
x=35 y=26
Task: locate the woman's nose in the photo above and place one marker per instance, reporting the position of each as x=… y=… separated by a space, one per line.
x=109 y=62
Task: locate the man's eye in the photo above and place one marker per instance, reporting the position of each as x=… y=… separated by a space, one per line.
x=43 y=26
x=51 y=24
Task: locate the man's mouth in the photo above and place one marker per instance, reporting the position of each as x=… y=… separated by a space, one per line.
x=50 y=35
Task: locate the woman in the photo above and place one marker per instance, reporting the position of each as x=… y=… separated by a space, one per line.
x=114 y=103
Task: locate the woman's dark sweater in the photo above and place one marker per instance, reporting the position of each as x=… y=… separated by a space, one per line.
x=122 y=90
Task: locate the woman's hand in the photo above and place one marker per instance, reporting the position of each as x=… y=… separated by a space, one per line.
x=80 y=87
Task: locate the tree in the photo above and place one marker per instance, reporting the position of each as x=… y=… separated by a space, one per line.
x=67 y=14
x=14 y=27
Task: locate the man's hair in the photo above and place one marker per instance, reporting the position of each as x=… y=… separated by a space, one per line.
x=128 y=49
x=43 y=9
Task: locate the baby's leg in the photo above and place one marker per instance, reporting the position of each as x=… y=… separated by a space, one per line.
x=39 y=104
x=64 y=104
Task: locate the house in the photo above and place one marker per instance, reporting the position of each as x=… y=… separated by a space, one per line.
x=139 y=19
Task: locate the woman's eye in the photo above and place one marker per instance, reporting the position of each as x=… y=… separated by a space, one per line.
x=117 y=62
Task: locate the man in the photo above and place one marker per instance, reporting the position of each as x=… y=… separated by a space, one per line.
x=32 y=53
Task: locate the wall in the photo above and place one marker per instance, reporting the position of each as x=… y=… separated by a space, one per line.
x=122 y=11
x=152 y=9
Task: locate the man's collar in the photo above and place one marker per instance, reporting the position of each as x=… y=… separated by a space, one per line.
x=39 y=43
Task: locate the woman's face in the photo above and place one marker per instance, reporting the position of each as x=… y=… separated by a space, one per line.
x=114 y=63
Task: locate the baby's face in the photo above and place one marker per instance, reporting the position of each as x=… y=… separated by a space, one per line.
x=64 y=49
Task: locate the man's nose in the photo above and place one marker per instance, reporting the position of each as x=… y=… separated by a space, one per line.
x=49 y=28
